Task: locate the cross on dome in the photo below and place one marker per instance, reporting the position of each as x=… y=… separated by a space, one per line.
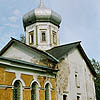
x=41 y=3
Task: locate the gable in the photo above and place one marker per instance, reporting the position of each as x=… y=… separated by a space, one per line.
x=75 y=57
x=18 y=50
x=78 y=64
x=61 y=51
x=79 y=59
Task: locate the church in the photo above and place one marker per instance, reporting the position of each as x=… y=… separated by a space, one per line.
x=41 y=68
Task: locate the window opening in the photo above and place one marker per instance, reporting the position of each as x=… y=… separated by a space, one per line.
x=77 y=82
x=17 y=91
x=64 y=97
x=43 y=36
x=47 y=92
x=31 y=37
x=34 y=91
x=54 y=37
x=78 y=98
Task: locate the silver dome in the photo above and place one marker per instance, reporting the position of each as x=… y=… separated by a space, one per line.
x=41 y=14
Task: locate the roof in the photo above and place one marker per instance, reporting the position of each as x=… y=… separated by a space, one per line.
x=41 y=14
x=26 y=63
x=62 y=50
x=55 y=54
x=46 y=54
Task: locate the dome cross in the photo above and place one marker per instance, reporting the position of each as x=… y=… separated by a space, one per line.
x=41 y=3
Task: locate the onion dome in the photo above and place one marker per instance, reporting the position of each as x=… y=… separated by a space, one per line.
x=41 y=14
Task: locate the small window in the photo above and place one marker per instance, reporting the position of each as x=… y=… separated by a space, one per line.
x=78 y=98
x=43 y=36
x=76 y=79
x=77 y=82
x=31 y=37
x=54 y=37
x=64 y=97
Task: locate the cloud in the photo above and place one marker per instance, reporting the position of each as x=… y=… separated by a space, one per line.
x=13 y=19
x=12 y=25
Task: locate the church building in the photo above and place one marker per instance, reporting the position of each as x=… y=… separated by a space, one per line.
x=41 y=68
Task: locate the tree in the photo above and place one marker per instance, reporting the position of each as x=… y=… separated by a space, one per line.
x=22 y=38
x=96 y=66
x=97 y=87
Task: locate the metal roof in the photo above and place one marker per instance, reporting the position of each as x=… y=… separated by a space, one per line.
x=59 y=51
x=41 y=14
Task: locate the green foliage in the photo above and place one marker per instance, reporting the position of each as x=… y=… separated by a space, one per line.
x=97 y=87
x=96 y=66
x=22 y=38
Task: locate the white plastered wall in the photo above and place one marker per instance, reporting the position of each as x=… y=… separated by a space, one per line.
x=37 y=28
x=76 y=64
x=21 y=53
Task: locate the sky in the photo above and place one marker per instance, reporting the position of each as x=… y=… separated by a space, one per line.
x=80 y=21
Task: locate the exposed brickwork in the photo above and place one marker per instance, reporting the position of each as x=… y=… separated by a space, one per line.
x=62 y=76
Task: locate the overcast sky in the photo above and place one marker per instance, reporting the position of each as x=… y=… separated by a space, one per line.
x=80 y=21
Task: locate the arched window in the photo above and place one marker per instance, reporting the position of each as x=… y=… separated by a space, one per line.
x=34 y=91
x=17 y=91
x=47 y=91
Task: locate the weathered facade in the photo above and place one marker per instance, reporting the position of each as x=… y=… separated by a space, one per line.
x=41 y=68
x=10 y=75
